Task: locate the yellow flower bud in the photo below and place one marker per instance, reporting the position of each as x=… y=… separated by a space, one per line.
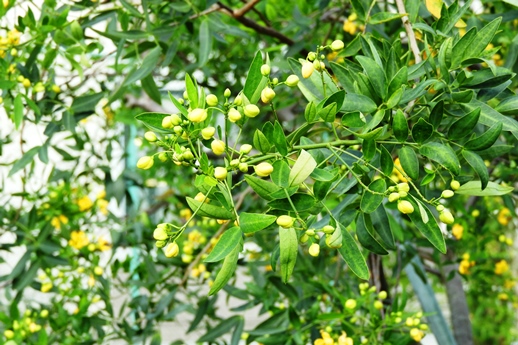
x=238 y=100
x=39 y=87
x=227 y=93
x=44 y=313
x=208 y=132
x=166 y=122
x=98 y=270
x=251 y=110
x=378 y=305
x=172 y=250
x=243 y=167
x=263 y=169
x=405 y=207
x=312 y=56
x=350 y=304
x=328 y=229
x=285 y=221
x=455 y=184
x=220 y=173
x=267 y=95
x=245 y=149
x=234 y=115
x=160 y=234
x=26 y=83
x=175 y=119
x=265 y=70
x=447 y=193
x=56 y=88
x=337 y=45
x=307 y=69
x=314 y=249
x=145 y=162
x=8 y=334
x=403 y=194
x=197 y=115
x=382 y=295
x=292 y=80
x=393 y=197
x=218 y=147
x=212 y=100
x=403 y=187
x=446 y=217
x=150 y=136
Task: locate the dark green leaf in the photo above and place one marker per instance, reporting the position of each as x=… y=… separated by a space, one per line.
x=192 y=91
x=289 y=247
x=443 y=155
x=375 y=74
x=208 y=210
x=302 y=202
x=461 y=49
x=261 y=187
x=227 y=270
x=205 y=38
x=483 y=38
x=281 y=174
x=148 y=65
x=150 y=88
x=400 y=126
x=383 y=17
x=328 y=113
x=409 y=162
x=310 y=114
x=436 y=114
x=153 y=121
x=478 y=165
x=364 y=232
x=352 y=254
x=427 y=225
x=368 y=149
x=253 y=222
x=422 y=131
x=22 y=162
x=222 y=328
x=226 y=243
x=508 y=106
x=255 y=81
x=370 y=202
x=485 y=140
x=381 y=225
x=86 y=104
x=261 y=142
x=354 y=102
x=279 y=139
x=386 y=161
x=398 y=80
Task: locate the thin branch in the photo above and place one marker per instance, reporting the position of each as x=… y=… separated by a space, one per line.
x=213 y=8
x=243 y=10
x=410 y=33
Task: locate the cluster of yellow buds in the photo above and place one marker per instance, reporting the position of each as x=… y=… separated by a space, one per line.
x=465 y=264
x=504 y=239
x=351 y=26
x=314 y=60
x=9 y=41
x=504 y=216
x=501 y=267
x=457 y=231
x=398 y=193
x=102 y=203
x=326 y=339
x=162 y=233
x=27 y=325
x=195 y=240
x=397 y=175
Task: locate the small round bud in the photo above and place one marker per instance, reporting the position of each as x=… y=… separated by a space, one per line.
x=308 y=68
x=243 y=167
x=267 y=95
x=8 y=334
x=285 y=221
x=350 y=303
x=403 y=187
x=439 y=208
x=208 y=132
x=55 y=88
x=39 y=87
x=218 y=147
x=328 y=229
x=160 y=244
x=378 y=305
x=178 y=130
x=150 y=136
x=160 y=234
x=292 y=80
x=185 y=95
x=44 y=313
x=212 y=100
x=263 y=169
x=304 y=238
x=220 y=173
x=447 y=193
x=446 y=217
x=172 y=250
x=251 y=110
x=275 y=81
x=382 y=295
x=238 y=100
x=175 y=119
x=227 y=93
x=337 y=45
x=393 y=197
x=197 y=115
x=312 y=56
x=167 y=123
x=455 y=185
x=245 y=149
x=405 y=207
x=234 y=163
x=314 y=249
x=475 y=213
x=234 y=115
x=26 y=83
x=145 y=162
x=265 y=70
x=187 y=155
x=310 y=232
x=403 y=194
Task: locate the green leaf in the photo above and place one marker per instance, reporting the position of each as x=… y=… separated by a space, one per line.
x=490 y=117
x=227 y=242
x=375 y=74
x=321 y=188
x=395 y=98
x=238 y=332
x=150 y=88
x=381 y=224
x=18 y=111
x=485 y=140
x=288 y=251
x=508 y=106
x=131 y=9
x=302 y=202
x=475 y=188
x=386 y=161
x=383 y=17
x=227 y=270
x=443 y=155
x=192 y=91
x=153 y=121
x=422 y=131
x=461 y=49
x=354 y=102
x=253 y=222
x=324 y=175
x=486 y=79
x=303 y=167
x=208 y=210
x=255 y=81
x=364 y=232
x=205 y=38
x=399 y=79
x=328 y=113
x=222 y=328
x=483 y=38
x=261 y=187
x=261 y=142
x=368 y=149
x=427 y=225
x=409 y=162
x=445 y=58
x=352 y=120
x=352 y=254
x=149 y=63
x=478 y=165
x=436 y=114
x=400 y=126
x=370 y=202
x=279 y=139
x=344 y=75
x=281 y=174
x=178 y=105
x=86 y=104
x=312 y=87
x=22 y=162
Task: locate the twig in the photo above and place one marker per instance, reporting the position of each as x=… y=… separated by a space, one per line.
x=248 y=6
x=221 y=229
x=410 y=33
x=209 y=10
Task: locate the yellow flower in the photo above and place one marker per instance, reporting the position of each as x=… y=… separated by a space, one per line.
x=98 y=270
x=57 y=221
x=504 y=216
x=325 y=340
x=457 y=230
x=13 y=37
x=345 y=340
x=509 y=284
x=101 y=194
x=185 y=213
x=78 y=239
x=103 y=244
x=84 y=203
x=91 y=280
x=196 y=237
x=416 y=334
x=464 y=267
x=46 y=287
x=103 y=206
x=503 y=296
x=397 y=171
x=501 y=267
x=350 y=27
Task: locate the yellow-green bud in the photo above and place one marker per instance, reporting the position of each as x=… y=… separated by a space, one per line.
x=310 y=232
x=160 y=244
x=292 y=80
x=285 y=221
x=234 y=115
x=265 y=70
x=405 y=207
x=328 y=229
x=439 y=208
x=275 y=81
x=382 y=295
x=245 y=149
x=55 y=88
x=393 y=197
x=26 y=83
x=220 y=173
x=403 y=187
x=212 y=100
x=267 y=95
x=446 y=217
x=8 y=334
x=243 y=167
x=314 y=249
x=39 y=87
x=312 y=56
x=178 y=130
x=175 y=119
x=162 y=156
x=455 y=185
x=350 y=303
x=307 y=69
x=145 y=162
x=234 y=163
x=197 y=115
x=187 y=155
x=150 y=136
x=263 y=169
x=337 y=45
x=172 y=250
x=447 y=193
x=218 y=147
x=304 y=238
x=378 y=305
x=403 y=194
x=167 y=123
x=185 y=95
x=227 y=93
x=160 y=234
x=44 y=313
x=251 y=110
x=238 y=100
x=208 y=132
